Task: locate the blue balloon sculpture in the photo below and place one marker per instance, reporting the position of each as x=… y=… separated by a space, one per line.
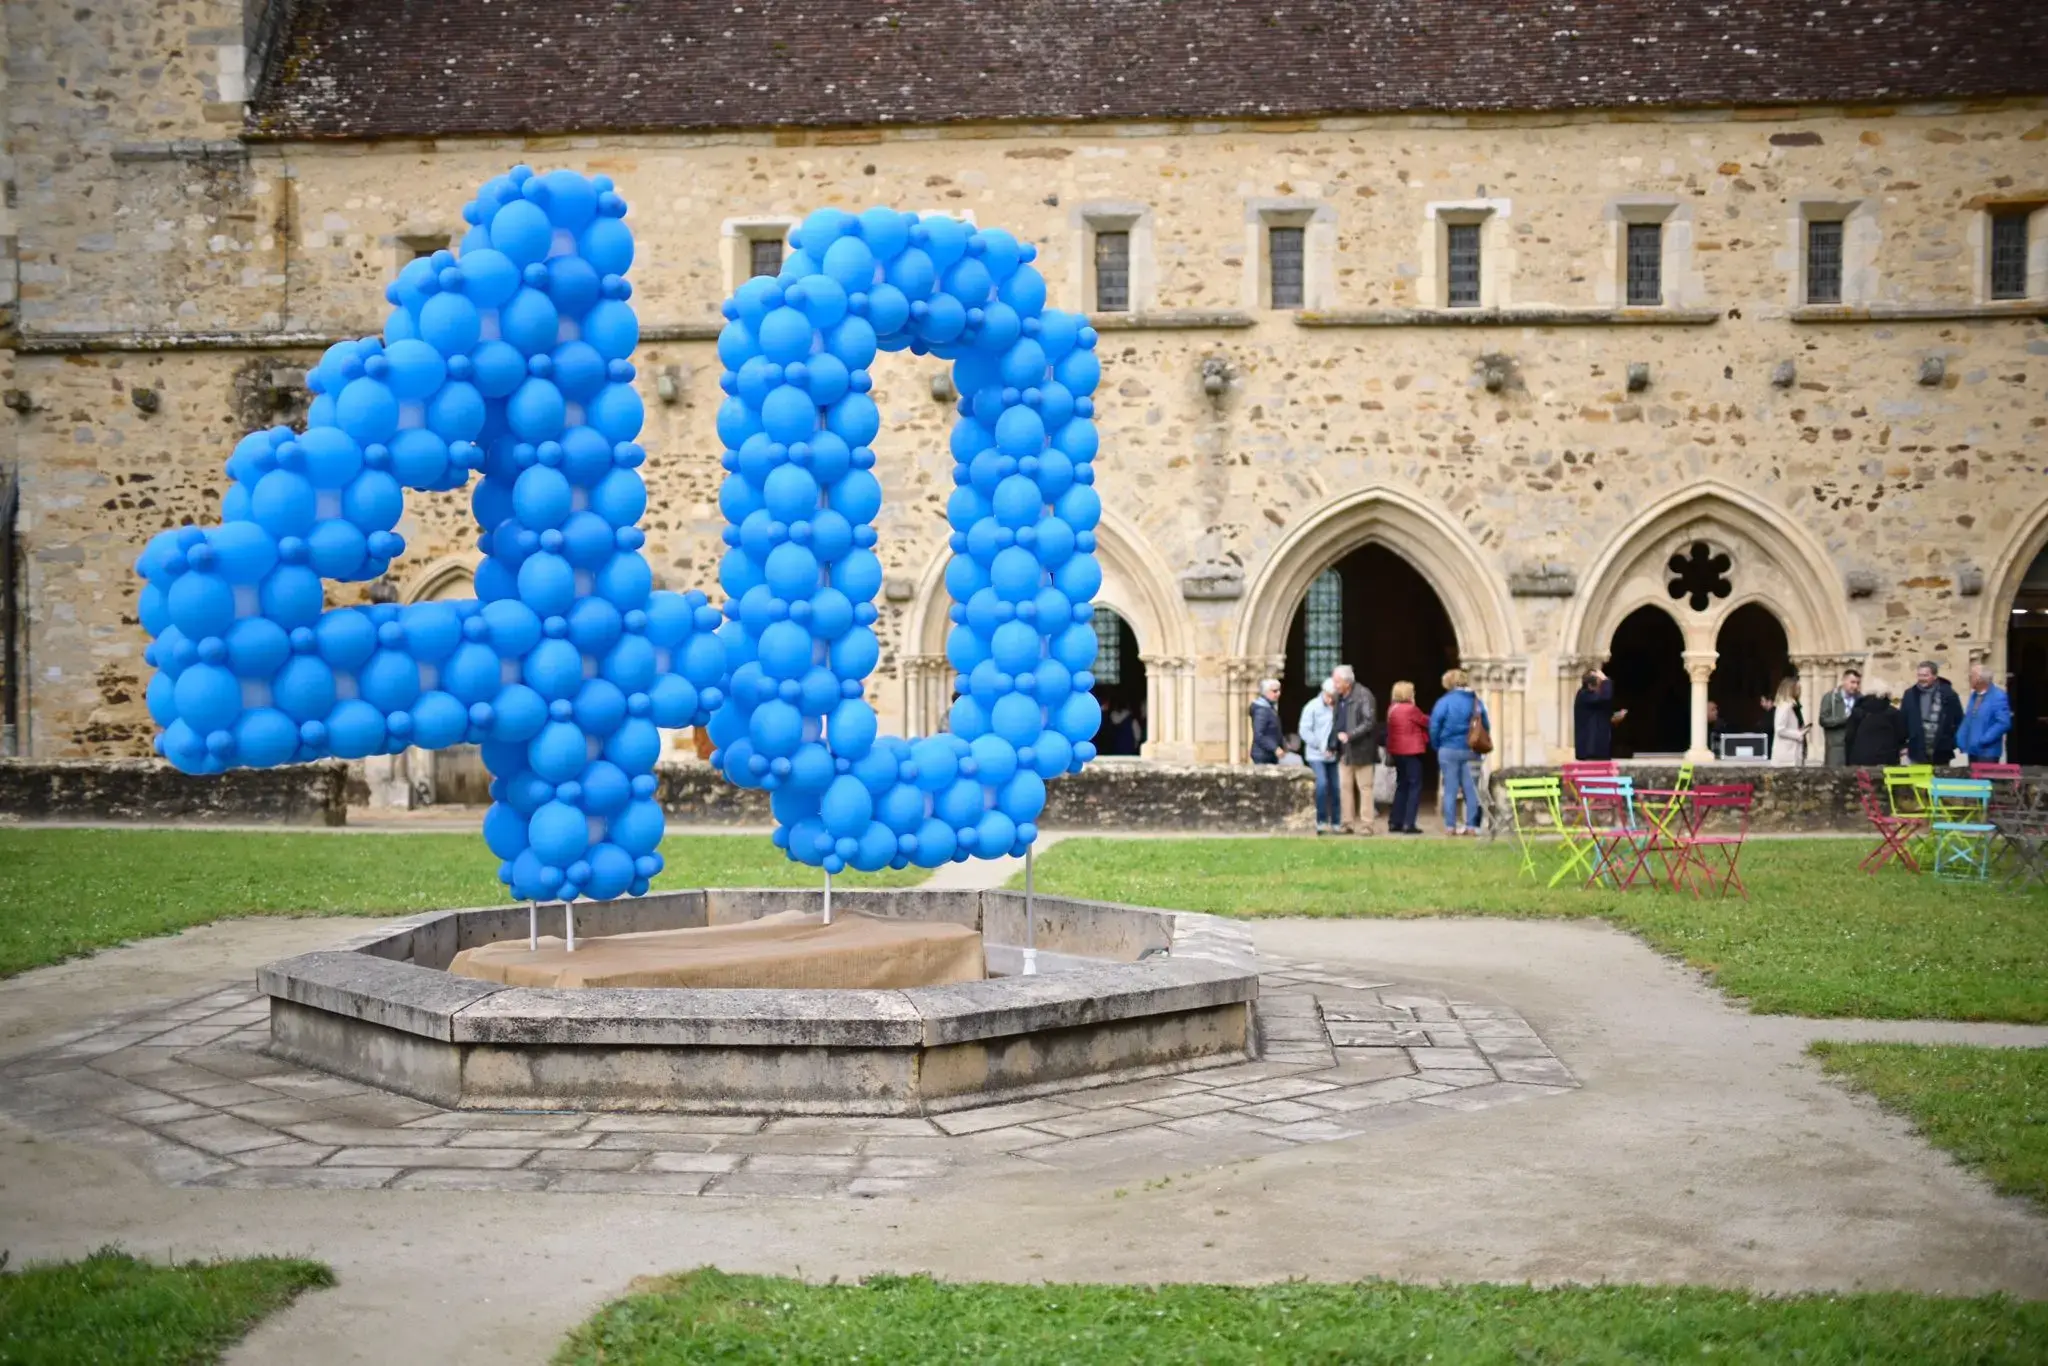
x=513 y=359
x=800 y=499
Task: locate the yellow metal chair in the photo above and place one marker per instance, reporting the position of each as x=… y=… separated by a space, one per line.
x=1542 y=797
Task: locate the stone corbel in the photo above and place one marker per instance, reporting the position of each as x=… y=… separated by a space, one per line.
x=1545 y=580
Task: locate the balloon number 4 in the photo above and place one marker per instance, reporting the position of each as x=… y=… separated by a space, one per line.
x=800 y=498
x=513 y=361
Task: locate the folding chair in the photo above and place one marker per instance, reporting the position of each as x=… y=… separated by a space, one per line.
x=1896 y=833
x=2024 y=836
x=1620 y=845
x=1905 y=788
x=2008 y=805
x=1959 y=809
x=1544 y=796
x=1714 y=807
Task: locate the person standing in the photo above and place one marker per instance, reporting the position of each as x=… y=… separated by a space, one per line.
x=1933 y=715
x=1593 y=716
x=1266 y=723
x=1834 y=717
x=1407 y=738
x=1987 y=717
x=1876 y=733
x=1452 y=723
x=1788 y=727
x=1357 y=751
x=1319 y=746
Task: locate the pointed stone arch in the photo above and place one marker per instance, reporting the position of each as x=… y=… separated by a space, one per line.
x=446 y=577
x=1775 y=562
x=1136 y=584
x=2002 y=585
x=1473 y=593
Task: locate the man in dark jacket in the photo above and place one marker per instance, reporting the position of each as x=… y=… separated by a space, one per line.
x=1266 y=723
x=1357 y=751
x=1876 y=730
x=1593 y=717
x=1933 y=715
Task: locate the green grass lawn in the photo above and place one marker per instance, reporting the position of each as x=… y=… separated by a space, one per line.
x=68 y=892
x=708 y=1316
x=1816 y=937
x=1988 y=1106
x=112 y=1310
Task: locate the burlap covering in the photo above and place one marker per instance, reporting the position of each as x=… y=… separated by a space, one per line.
x=793 y=949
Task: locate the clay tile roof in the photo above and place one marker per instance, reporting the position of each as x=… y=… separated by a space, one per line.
x=397 y=68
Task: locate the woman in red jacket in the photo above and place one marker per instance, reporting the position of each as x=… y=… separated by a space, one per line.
x=1407 y=738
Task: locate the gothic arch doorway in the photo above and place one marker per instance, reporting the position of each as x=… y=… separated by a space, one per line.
x=1376 y=612
x=1751 y=658
x=2026 y=664
x=1646 y=661
x=1120 y=687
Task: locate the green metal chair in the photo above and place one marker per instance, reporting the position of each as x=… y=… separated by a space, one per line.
x=1960 y=810
x=1542 y=797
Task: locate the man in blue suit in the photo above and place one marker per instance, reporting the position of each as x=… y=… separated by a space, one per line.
x=1987 y=716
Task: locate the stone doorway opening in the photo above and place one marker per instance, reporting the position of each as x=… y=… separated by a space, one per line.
x=1646 y=661
x=2026 y=663
x=1752 y=657
x=1375 y=611
x=1119 y=686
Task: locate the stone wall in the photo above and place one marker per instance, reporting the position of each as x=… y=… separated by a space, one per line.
x=1788 y=800
x=1881 y=505
x=1110 y=794
x=124 y=790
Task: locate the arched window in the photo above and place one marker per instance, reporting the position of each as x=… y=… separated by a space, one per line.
x=1109 y=647
x=1323 y=626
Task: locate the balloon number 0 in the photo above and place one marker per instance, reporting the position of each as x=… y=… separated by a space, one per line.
x=800 y=497
x=513 y=360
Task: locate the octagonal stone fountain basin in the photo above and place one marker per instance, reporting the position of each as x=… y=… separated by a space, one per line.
x=1122 y=992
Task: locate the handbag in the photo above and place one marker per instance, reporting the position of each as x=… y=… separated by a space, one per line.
x=1383 y=784
x=1477 y=738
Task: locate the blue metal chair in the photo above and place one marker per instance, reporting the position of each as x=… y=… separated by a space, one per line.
x=1961 y=822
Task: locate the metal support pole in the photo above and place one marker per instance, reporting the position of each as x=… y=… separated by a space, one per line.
x=533 y=927
x=1030 y=920
x=569 y=923
x=828 y=896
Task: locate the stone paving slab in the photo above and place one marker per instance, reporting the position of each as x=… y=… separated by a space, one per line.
x=189 y=1093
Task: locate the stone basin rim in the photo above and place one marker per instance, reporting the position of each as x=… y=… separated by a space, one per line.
x=1138 y=991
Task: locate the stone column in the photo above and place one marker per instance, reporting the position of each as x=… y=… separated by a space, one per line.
x=926 y=692
x=1170 y=708
x=389 y=779
x=1240 y=683
x=1502 y=684
x=1699 y=666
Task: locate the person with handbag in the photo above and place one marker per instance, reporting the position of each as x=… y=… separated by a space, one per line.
x=1407 y=739
x=1460 y=732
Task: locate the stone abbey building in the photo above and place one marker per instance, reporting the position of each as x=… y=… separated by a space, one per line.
x=1706 y=339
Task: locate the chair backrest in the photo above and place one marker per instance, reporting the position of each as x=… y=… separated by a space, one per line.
x=1866 y=788
x=1589 y=768
x=1906 y=786
x=1997 y=773
x=1611 y=796
x=1684 y=783
x=1544 y=792
x=1953 y=797
x=1733 y=801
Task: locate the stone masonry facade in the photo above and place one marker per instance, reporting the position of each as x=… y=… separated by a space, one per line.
x=1873 y=468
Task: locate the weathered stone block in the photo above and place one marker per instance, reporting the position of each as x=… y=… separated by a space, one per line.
x=151 y=790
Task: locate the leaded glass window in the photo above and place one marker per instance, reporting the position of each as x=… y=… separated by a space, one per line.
x=1323 y=626
x=2009 y=254
x=1824 y=261
x=1645 y=264
x=1284 y=253
x=1464 y=265
x=764 y=256
x=1112 y=272
x=1109 y=647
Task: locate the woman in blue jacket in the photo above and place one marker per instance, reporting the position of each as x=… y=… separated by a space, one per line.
x=1450 y=729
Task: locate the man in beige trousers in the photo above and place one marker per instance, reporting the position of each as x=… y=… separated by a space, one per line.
x=1357 y=751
